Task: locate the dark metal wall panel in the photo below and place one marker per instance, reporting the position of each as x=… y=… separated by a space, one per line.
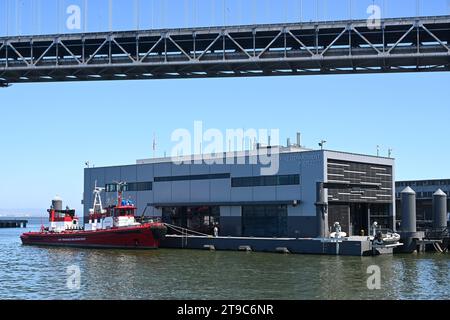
x=360 y=173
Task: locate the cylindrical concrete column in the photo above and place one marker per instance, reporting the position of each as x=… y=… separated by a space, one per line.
x=322 y=211
x=409 y=218
x=439 y=210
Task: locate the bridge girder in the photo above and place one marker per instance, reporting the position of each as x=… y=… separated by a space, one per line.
x=341 y=47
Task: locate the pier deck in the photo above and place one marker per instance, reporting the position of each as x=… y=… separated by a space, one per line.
x=12 y=223
x=346 y=247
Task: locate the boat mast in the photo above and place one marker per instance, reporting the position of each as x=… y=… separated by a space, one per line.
x=98 y=207
x=120 y=186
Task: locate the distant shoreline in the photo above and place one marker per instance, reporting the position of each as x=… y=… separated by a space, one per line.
x=22 y=213
x=15 y=217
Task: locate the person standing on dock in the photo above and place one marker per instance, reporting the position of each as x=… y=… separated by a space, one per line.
x=216 y=231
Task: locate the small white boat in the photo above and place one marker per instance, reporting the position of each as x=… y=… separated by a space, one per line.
x=338 y=235
x=387 y=239
x=391 y=238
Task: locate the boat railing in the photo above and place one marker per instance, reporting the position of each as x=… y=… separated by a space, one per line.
x=385 y=230
x=148 y=219
x=436 y=234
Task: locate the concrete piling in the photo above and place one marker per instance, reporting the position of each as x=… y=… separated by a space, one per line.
x=409 y=235
x=439 y=210
x=322 y=211
x=409 y=222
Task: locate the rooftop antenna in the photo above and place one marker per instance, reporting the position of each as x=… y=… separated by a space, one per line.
x=154 y=145
x=322 y=144
x=390 y=152
x=378 y=150
x=87 y=164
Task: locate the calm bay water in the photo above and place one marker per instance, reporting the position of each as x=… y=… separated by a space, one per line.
x=41 y=273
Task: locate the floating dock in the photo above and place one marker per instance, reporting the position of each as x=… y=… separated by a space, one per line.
x=353 y=246
x=13 y=223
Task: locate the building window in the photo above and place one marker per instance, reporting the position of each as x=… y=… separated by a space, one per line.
x=264 y=221
x=111 y=188
x=139 y=186
x=194 y=177
x=131 y=187
x=265 y=181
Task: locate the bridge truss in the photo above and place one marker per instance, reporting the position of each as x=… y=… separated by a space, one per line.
x=340 y=47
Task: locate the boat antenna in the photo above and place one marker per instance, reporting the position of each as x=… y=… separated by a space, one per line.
x=120 y=187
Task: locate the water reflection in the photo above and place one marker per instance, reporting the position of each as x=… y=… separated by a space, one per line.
x=41 y=273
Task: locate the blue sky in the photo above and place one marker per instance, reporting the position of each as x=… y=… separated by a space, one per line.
x=48 y=131
x=49 y=16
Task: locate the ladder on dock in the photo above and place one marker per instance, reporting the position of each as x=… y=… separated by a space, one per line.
x=438 y=238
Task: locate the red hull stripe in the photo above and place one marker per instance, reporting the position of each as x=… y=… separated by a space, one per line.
x=130 y=237
x=93 y=246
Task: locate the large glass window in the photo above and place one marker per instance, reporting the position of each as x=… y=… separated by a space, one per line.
x=193 y=177
x=199 y=219
x=262 y=181
x=132 y=186
x=264 y=221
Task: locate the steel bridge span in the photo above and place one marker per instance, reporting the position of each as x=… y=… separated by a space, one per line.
x=339 y=47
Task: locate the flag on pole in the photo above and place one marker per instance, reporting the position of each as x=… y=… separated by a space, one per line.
x=154 y=145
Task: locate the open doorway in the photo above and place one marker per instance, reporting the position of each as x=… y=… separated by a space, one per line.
x=200 y=219
x=359 y=219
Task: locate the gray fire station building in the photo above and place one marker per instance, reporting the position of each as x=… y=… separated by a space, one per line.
x=244 y=202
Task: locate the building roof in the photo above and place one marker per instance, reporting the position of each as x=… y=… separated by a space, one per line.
x=440 y=193
x=408 y=190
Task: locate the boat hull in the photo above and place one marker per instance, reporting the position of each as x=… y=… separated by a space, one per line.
x=147 y=236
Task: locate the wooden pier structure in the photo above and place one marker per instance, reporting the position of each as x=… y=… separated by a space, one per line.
x=13 y=223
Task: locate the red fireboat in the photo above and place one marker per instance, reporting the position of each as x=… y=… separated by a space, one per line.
x=113 y=227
